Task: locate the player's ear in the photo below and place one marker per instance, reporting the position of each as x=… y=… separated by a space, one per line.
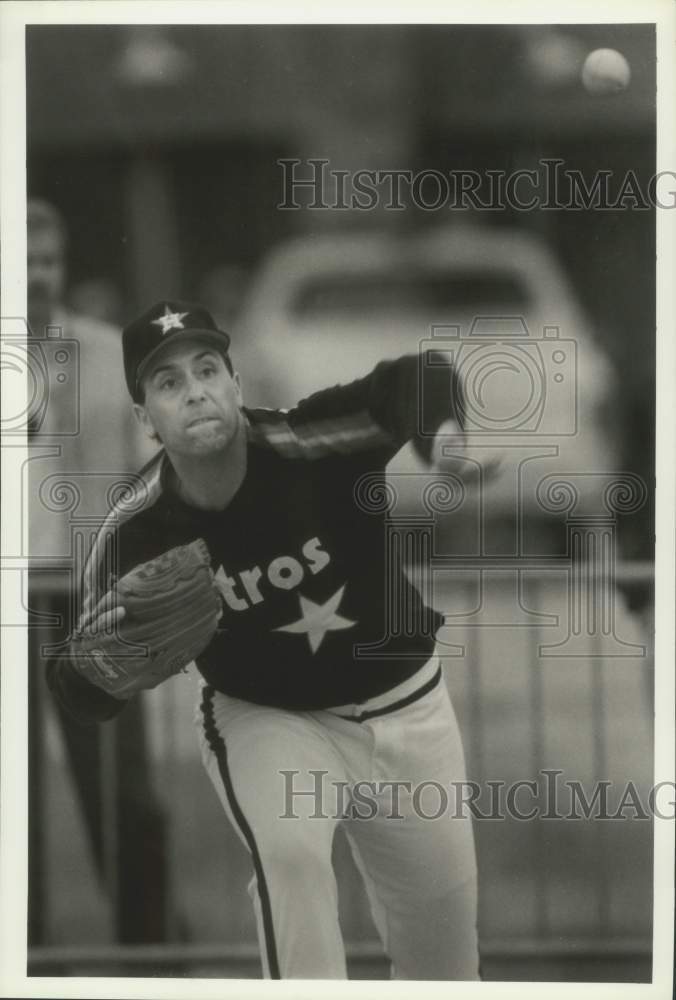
x=144 y=420
x=238 y=386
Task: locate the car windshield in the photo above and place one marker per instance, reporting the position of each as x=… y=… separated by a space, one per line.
x=368 y=294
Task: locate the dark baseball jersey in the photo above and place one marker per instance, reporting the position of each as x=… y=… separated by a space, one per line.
x=300 y=561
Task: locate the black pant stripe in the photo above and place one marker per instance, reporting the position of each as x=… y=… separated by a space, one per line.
x=217 y=745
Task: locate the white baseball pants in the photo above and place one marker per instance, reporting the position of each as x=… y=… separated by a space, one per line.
x=286 y=779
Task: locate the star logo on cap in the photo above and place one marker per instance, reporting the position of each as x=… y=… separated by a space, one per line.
x=170 y=320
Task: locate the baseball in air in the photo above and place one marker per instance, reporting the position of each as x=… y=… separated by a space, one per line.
x=605 y=71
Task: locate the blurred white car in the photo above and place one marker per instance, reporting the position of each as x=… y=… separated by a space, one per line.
x=324 y=309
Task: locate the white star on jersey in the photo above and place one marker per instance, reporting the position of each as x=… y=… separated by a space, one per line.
x=318 y=619
x=170 y=321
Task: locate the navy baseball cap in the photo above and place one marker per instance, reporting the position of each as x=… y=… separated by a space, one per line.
x=162 y=324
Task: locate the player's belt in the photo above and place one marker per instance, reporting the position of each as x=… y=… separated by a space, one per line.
x=397 y=698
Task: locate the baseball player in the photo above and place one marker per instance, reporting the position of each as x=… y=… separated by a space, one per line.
x=295 y=725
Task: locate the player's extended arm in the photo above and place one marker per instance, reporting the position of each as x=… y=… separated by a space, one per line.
x=414 y=397
x=406 y=399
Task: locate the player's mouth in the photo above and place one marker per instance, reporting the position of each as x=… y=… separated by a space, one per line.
x=198 y=421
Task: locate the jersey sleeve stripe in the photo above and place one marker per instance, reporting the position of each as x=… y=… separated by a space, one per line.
x=102 y=560
x=321 y=437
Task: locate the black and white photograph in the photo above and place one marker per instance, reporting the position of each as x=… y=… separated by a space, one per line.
x=338 y=499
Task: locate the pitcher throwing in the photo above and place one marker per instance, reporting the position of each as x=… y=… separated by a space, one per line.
x=252 y=515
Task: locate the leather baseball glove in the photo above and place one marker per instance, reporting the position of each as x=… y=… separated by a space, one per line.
x=151 y=624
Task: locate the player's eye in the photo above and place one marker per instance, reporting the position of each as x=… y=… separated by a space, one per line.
x=168 y=383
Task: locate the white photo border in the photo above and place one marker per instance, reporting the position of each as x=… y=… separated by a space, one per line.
x=14 y=16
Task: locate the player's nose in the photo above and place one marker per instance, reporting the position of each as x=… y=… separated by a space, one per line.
x=194 y=388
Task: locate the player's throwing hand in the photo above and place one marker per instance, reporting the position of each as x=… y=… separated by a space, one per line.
x=476 y=462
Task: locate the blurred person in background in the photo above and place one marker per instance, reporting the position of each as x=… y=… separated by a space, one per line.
x=81 y=467
x=97 y=298
x=103 y=415
x=46 y=264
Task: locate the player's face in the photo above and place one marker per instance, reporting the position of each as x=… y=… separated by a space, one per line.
x=192 y=402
